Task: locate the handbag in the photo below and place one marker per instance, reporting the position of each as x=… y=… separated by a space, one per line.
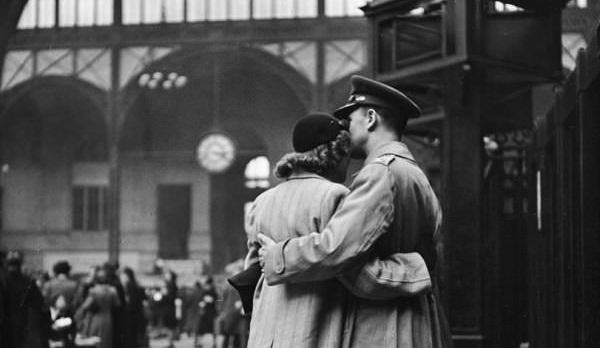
x=245 y=283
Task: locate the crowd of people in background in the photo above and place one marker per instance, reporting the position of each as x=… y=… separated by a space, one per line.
x=109 y=308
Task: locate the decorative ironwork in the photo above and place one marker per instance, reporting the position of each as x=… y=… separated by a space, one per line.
x=506 y=166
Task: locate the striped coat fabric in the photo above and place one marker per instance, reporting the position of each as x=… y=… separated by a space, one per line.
x=297 y=315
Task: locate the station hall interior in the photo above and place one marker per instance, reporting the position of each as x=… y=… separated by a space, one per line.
x=139 y=131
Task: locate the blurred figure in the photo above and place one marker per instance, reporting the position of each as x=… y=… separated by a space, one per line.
x=207 y=312
x=111 y=268
x=190 y=307
x=27 y=318
x=41 y=278
x=134 y=321
x=61 y=285
x=100 y=303
x=166 y=306
x=229 y=322
x=83 y=314
x=3 y=294
x=63 y=329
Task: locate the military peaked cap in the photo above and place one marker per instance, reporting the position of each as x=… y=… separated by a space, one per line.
x=315 y=129
x=368 y=92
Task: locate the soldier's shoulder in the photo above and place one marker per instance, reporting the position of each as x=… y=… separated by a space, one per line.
x=384 y=160
x=337 y=189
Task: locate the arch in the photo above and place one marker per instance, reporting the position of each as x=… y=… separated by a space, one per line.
x=79 y=87
x=182 y=60
x=55 y=111
x=236 y=67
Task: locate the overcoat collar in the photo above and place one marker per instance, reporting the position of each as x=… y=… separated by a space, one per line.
x=302 y=174
x=394 y=148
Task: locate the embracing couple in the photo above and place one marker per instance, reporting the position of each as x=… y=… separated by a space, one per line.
x=348 y=267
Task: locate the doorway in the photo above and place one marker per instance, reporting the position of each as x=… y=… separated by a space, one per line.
x=173 y=221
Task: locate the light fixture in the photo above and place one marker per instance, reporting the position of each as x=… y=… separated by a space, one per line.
x=166 y=81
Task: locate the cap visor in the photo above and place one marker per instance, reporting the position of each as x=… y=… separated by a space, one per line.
x=343 y=111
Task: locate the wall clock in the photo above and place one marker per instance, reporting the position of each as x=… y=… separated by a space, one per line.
x=216 y=152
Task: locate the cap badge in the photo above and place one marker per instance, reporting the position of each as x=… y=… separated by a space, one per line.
x=356 y=98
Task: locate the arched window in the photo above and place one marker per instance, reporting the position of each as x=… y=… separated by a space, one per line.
x=344 y=8
x=257 y=172
x=82 y=13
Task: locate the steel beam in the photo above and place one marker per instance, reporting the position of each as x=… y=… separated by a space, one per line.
x=114 y=161
x=226 y=32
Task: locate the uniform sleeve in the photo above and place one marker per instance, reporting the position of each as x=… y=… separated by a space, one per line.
x=400 y=274
x=363 y=216
x=379 y=279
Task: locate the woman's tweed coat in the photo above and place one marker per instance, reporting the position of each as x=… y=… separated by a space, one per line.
x=296 y=315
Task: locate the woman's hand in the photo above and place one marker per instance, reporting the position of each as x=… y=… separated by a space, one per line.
x=265 y=242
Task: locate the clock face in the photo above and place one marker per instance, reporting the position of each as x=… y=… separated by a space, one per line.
x=216 y=152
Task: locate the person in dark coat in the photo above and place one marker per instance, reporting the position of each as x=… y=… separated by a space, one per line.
x=207 y=309
x=134 y=321
x=113 y=280
x=230 y=319
x=166 y=306
x=27 y=320
x=3 y=294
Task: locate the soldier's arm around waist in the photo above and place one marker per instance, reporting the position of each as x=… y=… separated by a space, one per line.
x=400 y=274
x=363 y=216
x=380 y=278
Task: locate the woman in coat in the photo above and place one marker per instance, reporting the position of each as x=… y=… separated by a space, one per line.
x=306 y=200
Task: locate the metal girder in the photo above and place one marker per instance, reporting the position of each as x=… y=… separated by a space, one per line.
x=538 y=5
x=195 y=33
x=390 y=6
x=397 y=6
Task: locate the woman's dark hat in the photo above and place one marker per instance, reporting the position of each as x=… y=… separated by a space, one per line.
x=368 y=92
x=315 y=129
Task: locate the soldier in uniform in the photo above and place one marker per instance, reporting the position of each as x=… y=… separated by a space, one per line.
x=391 y=208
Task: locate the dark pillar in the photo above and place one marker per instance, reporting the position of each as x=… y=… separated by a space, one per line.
x=588 y=263
x=117 y=12
x=320 y=8
x=114 y=189
x=462 y=165
x=462 y=186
